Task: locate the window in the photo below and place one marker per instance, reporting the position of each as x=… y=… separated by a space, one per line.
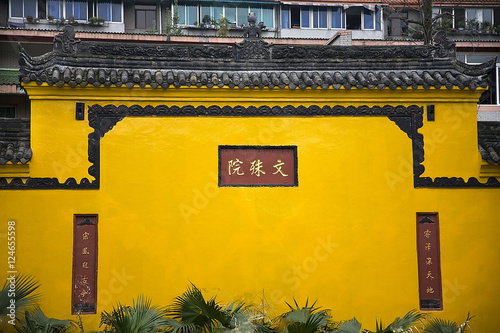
x=218 y=12
x=230 y=13
x=285 y=17
x=55 y=8
x=242 y=15
x=145 y=17
x=110 y=10
x=304 y=17
x=476 y=16
x=368 y=19
x=188 y=14
x=236 y=14
x=353 y=18
x=337 y=17
x=295 y=17
x=459 y=18
x=268 y=16
x=360 y=18
x=23 y=8
x=77 y=9
x=7 y=112
x=319 y=17
x=205 y=14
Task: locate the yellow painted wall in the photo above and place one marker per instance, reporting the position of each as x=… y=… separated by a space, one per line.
x=345 y=236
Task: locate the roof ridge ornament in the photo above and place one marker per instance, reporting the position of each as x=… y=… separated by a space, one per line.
x=253 y=47
x=445 y=47
x=253 y=31
x=65 y=41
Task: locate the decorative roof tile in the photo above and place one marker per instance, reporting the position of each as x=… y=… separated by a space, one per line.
x=489 y=141
x=9 y=76
x=15 y=141
x=252 y=63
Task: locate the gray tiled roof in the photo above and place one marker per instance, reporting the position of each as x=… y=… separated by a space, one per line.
x=252 y=63
x=15 y=141
x=489 y=141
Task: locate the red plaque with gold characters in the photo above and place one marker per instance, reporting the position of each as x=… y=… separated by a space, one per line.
x=84 y=295
x=429 y=262
x=258 y=166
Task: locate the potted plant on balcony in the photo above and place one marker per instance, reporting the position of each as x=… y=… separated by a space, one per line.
x=486 y=27
x=50 y=18
x=461 y=26
x=29 y=18
x=473 y=25
x=71 y=19
x=223 y=29
x=207 y=21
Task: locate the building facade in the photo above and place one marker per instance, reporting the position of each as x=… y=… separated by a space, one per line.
x=259 y=172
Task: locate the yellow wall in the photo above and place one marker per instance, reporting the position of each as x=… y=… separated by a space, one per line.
x=345 y=236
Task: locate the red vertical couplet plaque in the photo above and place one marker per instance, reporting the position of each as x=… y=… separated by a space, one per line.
x=429 y=262
x=258 y=166
x=84 y=295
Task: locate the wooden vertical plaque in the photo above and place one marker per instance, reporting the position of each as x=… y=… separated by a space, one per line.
x=84 y=288
x=429 y=262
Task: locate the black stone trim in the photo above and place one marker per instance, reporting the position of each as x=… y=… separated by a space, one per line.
x=103 y=118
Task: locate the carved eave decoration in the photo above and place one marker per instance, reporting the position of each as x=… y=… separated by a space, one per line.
x=252 y=63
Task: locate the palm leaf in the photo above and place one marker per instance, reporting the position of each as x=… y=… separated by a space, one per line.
x=35 y=321
x=175 y=326
x=24 y=293
x=306 y=319
x=350 y=326
x=141 y=317
x=191 y=308
x=404 y=324
x=438 y=325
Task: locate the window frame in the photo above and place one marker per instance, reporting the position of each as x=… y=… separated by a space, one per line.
x=71 y=4
x=61 y=4
x=240 y=11
x=146 y=9
x=14 y=107
x=342 y=17
x=112 y=4
x=24 y=9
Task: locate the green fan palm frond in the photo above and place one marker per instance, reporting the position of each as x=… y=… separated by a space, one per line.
x=236 y=314
x=35 y=321
x=438 y=325
x=175 y=326
x=24 y=296
x=306 y=319
x=349 y=326
x=192 y=308
x=141 y=317
x=380 y=328
x=400 y=325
